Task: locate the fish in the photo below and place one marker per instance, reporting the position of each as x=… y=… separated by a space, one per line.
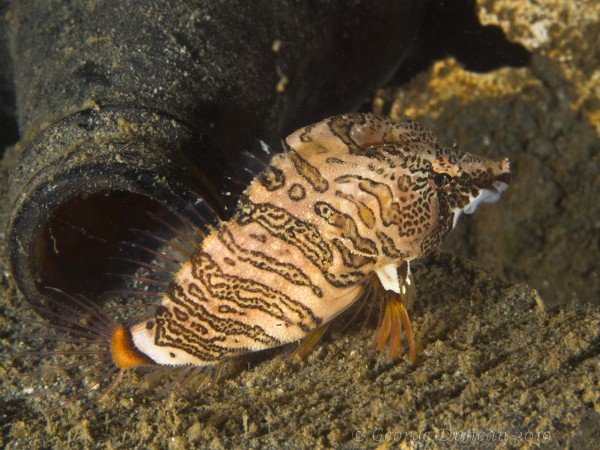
x=337 y=216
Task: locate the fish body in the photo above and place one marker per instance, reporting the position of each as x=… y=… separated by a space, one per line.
x=350 y=198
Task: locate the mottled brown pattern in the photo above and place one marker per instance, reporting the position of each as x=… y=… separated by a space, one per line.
x=361 y=192
x=272 y=179
x=297 y=192
x=310 y=173
x=389 y=210
x=404 y=183
x=365 y=214
x=388 y=247
x=202 y=337
x=347 y=228
x=262 y=261
x=243 y=293
x=302 y=235
x=351 y=259
x=284 y=225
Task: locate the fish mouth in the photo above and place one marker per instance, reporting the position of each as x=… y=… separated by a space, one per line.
x=486 y=196
x=493 y=191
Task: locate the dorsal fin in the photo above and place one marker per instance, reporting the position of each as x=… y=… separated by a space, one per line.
x=151 y=258
x=248 y=165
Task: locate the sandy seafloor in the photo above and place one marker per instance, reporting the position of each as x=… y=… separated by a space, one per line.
x=508 y=328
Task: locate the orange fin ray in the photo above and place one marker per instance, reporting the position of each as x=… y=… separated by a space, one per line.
x=394 y=319
x=307 y=344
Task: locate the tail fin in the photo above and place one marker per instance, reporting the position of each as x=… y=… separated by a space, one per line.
x=82 y=337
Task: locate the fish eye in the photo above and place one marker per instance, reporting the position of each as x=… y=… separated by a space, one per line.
x=441 y=179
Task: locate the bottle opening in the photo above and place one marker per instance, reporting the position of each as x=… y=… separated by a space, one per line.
x=78 y=247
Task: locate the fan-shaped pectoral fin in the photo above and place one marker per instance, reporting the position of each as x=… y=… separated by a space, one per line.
x=400 y=293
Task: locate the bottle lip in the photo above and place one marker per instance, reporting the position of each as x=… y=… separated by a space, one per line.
x=160 y=186
x=111 y=150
